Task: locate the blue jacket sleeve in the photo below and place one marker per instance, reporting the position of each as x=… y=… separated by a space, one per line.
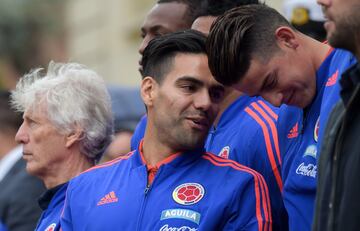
x=251 y=206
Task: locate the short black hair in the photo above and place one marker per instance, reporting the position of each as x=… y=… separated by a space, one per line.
x=219 y=7
x=194 y=8
x=159 y=54
x=238 y=36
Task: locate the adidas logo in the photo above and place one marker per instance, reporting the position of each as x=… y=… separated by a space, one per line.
x=332 y=80
x=108 y=198
x=294 y=132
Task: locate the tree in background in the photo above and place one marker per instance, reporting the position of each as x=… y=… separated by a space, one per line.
x=31 y=34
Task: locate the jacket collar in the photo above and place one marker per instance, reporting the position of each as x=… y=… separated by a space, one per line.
x=175 y=160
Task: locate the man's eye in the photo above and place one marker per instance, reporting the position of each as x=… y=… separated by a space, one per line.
x=157 y=34
x=143 y=33
x=189 y=88
x=271 y=84
x=31 y=123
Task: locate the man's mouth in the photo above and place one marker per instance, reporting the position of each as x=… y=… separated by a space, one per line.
x=26 y=155
x=199 y=122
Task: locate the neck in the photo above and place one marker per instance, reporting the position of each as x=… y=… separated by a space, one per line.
x=71 y=167
x=322 y=51
x=155 y=152
x=231 y=96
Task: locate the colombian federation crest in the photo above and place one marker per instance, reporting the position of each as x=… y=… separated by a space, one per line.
x=316 y=130
x=188 y=193
x=225 y=151
x=51 y=227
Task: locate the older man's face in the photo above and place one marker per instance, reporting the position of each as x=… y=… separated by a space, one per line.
x=44 y=148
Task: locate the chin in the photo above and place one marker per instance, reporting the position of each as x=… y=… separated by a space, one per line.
x=303 y=103
x=187 y=143
x=32 y=170
x=195 y=143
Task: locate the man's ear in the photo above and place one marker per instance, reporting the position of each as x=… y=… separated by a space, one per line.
x=286 y=37
x=148 y=90
x=73 y=136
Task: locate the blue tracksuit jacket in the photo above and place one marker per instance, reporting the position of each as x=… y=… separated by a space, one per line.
x=50 y=218
x=300 y=132
x=246 y=132
x=191 y=191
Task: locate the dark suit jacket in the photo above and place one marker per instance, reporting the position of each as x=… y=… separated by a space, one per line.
x=19 y=209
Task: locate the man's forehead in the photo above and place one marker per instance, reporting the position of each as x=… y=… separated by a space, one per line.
x=192 y=67
x=171 y=14
x=203 y=24
x=37 y=110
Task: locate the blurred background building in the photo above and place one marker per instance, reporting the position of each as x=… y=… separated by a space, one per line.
x=103 y=34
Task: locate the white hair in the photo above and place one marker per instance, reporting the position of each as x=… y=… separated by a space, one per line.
x=73 y=95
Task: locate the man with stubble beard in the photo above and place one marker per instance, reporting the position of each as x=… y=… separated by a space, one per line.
x=166 y=16
x=170 y=182
x=337 y=201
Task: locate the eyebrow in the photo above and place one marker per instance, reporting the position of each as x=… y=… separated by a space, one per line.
x=189 y=79
x=152 y=28
x=199 y=83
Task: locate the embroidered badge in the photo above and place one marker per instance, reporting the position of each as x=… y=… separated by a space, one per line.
x=51 y=227
x=188 y=193
x=225 y=152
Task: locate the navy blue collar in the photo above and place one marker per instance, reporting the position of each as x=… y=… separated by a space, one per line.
x=184 y=158
x=47 y=196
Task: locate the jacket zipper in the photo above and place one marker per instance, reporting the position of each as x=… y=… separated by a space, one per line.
x=147 y=190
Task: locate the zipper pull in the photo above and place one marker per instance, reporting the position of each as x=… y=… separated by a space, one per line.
x=147 y=189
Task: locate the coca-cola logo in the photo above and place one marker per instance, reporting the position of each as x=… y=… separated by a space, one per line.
x=182 y=228
x=307 y=170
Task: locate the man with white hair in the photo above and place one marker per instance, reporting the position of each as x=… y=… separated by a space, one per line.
x=67 y=126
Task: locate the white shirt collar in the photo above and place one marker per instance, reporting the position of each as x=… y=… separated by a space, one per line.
x=8 y=161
